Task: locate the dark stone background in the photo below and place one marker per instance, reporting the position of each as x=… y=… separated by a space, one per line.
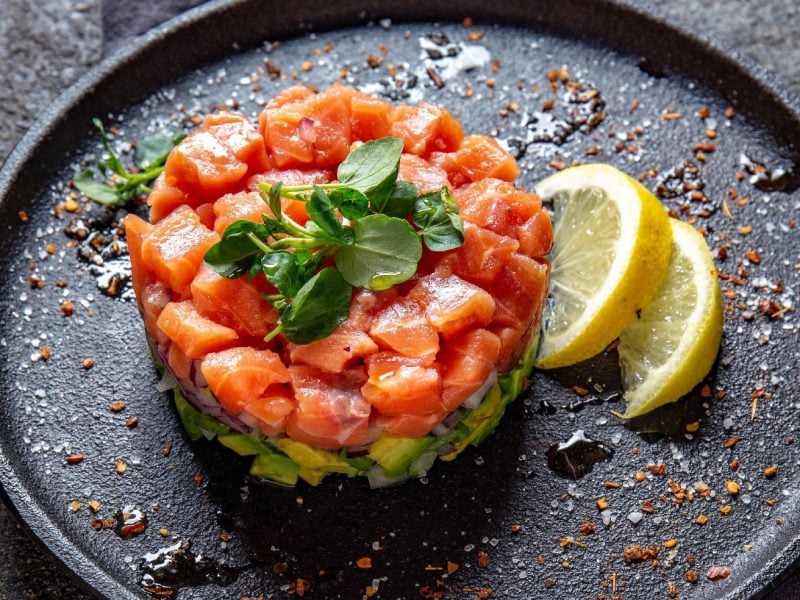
x=47 y=44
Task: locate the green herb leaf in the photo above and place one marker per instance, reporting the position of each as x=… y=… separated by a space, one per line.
x=319 y=307
x=112 y=162
x=153 y=150
x=283 y=270
x=352 y=202
x=97 y=191
x=437 y=215
x=274 y=200
x=370 y=165
x=383 y=253
x=234 y=254
x=322 y=212
x=399 y=202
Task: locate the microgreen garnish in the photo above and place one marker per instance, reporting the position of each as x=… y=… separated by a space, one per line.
x=359 y=222
x=121 y=185
x=436 y=214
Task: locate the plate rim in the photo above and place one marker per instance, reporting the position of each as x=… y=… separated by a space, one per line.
x=46 y=531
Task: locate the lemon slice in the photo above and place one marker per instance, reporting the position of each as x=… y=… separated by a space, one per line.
x=611 y=252
x=672 y=345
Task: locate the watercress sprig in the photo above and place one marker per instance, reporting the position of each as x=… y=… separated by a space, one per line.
x=358 y=229
x=121 y=185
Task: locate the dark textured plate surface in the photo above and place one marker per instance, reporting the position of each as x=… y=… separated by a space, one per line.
x=256 y=539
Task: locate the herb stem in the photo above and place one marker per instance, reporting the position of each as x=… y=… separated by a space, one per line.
x=274 y=333
x=258 y=243
x=294 y=242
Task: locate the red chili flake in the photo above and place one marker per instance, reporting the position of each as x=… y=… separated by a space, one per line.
x=475 y=36
x=67 y=308
x=117 y=406
x=365 y=562
x=98 y=524
x=198 y=478
x=731 y=442
x=586 y=528
x=74 y=459
x=581 y=391
x=132 y=422
x=23 y=216
x=717 y=573
x=559 y=164
x=44 y=352
x=647 y=507
x=691 y=576
x=87 y=363
x=659 y=469
x=729 y=112
x=374 y=61
x=483 y=559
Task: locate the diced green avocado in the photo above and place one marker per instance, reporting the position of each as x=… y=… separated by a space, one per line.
x=245 y=445
x=481 y=422
x=311 y=476
x=360 y=463
x=275 y=466
x=194 y=421
x=315 y=458
x=395 y=454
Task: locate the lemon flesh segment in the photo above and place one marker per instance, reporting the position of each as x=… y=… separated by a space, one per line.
x=672 y=346
x=612 y=244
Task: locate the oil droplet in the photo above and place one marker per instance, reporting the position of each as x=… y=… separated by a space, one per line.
x=577 y=456
x=166 y=570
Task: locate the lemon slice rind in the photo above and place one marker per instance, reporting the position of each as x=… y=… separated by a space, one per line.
x=638 y=266
x=674 y=365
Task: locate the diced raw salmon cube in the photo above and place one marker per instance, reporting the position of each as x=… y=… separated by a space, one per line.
x=240 y=376
x=427 y=177
x=402 y=327
x=331 y=412
x=467 y=362
x=451 y=304
x=273 y=409
x=175 y=248
x=400 y=385
x=336 y=352
x=235 y=303
x=425 y=128
x=202 y=165
x=195 y=335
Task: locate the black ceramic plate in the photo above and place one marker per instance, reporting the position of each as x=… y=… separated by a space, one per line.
x=499 y=518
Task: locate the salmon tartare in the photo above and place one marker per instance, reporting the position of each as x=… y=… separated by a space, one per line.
x=347 y=286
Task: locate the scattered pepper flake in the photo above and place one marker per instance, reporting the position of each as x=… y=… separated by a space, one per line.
x=94 y=506
x=87 y=363
x=732 y=487
x=695 y=425
x=670 y=543
x=770 y=471
x=117 y=406
x=658 y=469
x=307 y=66
x=701 y=519
x=729 y=112
x=731 y=441
x=483 y=559
x=44 y=352
x=365 y=562
x=74 y=459
x=726 y=509
x=120 y=466
x=132 y=422
x=374 y=60
x=67 y=308
x=691 y=576
x=475 y=36
x=452 y=567
x=717 y=573
x=602 y=503
x=23 y=216
x=745 y=229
